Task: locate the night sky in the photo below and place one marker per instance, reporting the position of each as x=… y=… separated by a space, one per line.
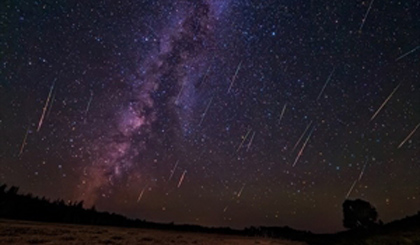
x=214 y=112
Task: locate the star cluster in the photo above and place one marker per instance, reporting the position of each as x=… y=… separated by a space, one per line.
x=212 y=112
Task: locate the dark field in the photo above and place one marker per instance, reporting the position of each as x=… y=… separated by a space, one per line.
x=23 y=232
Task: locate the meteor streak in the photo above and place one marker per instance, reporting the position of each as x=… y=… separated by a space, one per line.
x=51 y=104
x=240 y=192
x=301 y=137
x=364 y=18
x=408 y=136
x=41 y=120
x=409 y=52
x=205 y=112
x=303 y=147
x=88 y=105
x=141 y=194
x=173 y=170
x=242 y=143
x=182 y=178
x=351 y=189
x=326 y=83
x=234 y=76
x=24 y=142
x=363 y=170
x=386 y=101
x=250 y=141
x=282 y=112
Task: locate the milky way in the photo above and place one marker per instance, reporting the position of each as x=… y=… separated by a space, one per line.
x=211 y=112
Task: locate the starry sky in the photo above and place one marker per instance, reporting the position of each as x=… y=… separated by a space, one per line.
x=214 y=112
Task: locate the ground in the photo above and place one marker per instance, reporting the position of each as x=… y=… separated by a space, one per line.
x=24 y=232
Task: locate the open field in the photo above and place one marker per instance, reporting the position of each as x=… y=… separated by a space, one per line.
x=25 y=232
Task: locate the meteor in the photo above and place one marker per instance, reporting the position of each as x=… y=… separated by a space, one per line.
x=182 y=178
x=325 y=85
x=205 y=112
x=303 y=147
x=282 y=112
x=234 y=76
x=242 y=143
x=409 y=52
x=351 y=189
x=23 y=142
x=386 y=101
x=301 y=137
x=173 y=170
x=240 y=192
x=364 y=18
x=141 y=194
x=408 y=136
x=44 y=110
x=88 y=105
x=250 y=141
x=363 y=170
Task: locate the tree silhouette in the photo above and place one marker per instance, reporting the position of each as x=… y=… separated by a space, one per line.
x=359 y=214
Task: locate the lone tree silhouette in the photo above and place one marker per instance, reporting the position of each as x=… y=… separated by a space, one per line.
x=359 y=214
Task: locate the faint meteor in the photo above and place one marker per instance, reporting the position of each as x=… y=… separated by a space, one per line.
x=243 y=140
x=173 y=170
x=303 y=147
x=22 y=147
x=386 y=101
x=325 y=84
x=409 y=52
x=225 y=209
x=351 y=189
x=282 y=112
x=205 y=77
x=205 y=112
x=301 y=137
x=250 y=141
x=44 y=110
x=364 y=18
x=182 y=178
x=408 y=136
x=88 y=105
x=240 y=192
x=363 y=170
x=179 y=94
x=141 y=194
x=234 y=76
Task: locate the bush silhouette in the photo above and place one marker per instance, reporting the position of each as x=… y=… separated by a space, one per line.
x=359 y=214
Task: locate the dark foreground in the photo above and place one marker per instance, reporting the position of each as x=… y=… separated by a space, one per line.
x=25 y=232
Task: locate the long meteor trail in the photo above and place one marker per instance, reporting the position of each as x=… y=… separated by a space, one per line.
x=303 y=147
x=408 y=136
x=405 y=54
x=44 y=110
x=351 y=189
x=386 y=101
x=301 y=137
x=363 y=170
x=366 y=15
x=234 y=76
